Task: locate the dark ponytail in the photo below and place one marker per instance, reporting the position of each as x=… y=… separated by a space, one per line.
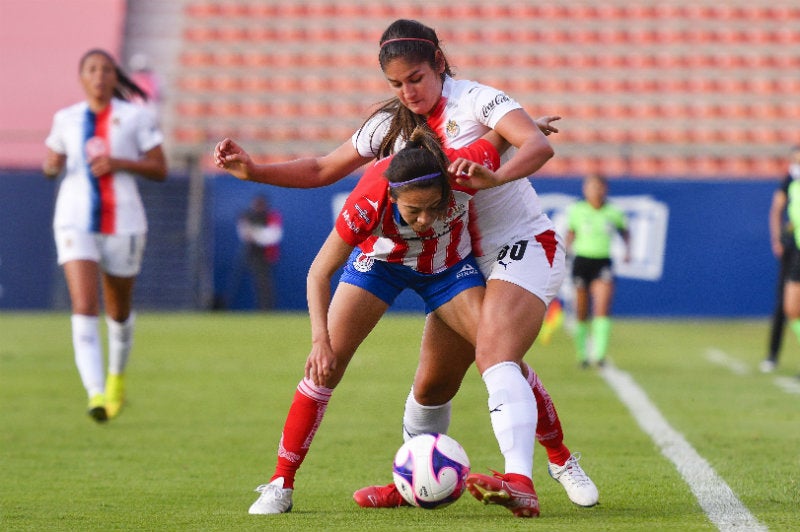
x=421 y=164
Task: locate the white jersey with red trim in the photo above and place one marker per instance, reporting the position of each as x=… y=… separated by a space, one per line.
x=467 y=110
x=108 y=204
x=370 y=221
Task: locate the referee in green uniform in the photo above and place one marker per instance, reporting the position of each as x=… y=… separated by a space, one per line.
x=592 y=224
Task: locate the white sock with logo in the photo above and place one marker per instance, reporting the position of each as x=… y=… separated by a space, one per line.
x=512 y=409
x=88 y=354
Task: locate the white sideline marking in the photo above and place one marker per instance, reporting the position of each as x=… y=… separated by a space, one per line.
x=722 y=358
x=788 y=384
x=718 y=501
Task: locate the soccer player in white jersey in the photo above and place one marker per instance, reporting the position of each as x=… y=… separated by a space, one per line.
x=514 y=242
x=103 y=143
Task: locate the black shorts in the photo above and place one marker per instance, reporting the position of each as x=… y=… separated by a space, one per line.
x=792 y=258
x=586 y=270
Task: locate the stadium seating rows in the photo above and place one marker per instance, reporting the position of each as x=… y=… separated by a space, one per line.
x=676 y=88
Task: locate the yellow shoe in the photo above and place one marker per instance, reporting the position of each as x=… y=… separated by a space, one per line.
x=553 y=320
x=97 y=408
x=115 y=394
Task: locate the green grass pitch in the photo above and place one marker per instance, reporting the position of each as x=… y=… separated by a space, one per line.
x=208 y=394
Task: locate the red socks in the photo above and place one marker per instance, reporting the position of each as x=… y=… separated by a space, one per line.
x=308 y=406
x=548 y=427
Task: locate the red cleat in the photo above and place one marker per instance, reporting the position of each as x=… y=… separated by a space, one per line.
x=516 y=496
x=379 y=497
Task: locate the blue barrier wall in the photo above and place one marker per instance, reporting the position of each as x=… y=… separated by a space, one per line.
x=27 y=251
x=307 y=219
x=700 y=248
x=717 y=257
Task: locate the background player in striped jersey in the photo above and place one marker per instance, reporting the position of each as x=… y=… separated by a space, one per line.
x=100 y=227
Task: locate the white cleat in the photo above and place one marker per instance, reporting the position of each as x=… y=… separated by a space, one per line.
x=273 y=500
x=579 y=487
x=767 y=366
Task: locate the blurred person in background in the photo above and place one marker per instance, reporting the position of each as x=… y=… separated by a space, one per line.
x=781 y=235
x=102 y=144
x=791 y=294
x=260 y=230
x=592 y=224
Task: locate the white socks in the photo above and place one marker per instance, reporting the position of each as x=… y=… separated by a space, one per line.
x=88 y=355
x=512 y=409
x=120 y=341
x=420 y=419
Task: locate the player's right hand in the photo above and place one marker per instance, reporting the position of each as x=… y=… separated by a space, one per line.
x=230 y=157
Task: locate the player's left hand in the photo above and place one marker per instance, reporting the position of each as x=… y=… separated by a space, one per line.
x=545 y=124
x=321 y=364
x=473 y=175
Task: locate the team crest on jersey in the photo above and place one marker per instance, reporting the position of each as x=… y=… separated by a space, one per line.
x=363 y=263
x=451 y=129
x=455 y=211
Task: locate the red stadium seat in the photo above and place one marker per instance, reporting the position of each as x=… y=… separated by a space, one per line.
x=707 y=81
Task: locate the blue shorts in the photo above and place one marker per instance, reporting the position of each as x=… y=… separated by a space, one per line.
x=386 y=280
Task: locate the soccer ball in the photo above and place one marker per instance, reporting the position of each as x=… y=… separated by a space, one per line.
x=430 y=470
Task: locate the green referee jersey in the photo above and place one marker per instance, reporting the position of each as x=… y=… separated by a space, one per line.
x=594 y=228
x=793 y=208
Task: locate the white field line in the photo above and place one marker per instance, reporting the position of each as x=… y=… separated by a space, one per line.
x=718 y=501
x=721 y=358
x=787 y=384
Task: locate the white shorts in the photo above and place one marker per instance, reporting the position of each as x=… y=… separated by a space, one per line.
x=538 y=265
x=117 y=255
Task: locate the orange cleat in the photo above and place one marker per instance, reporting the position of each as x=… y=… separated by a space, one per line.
x=498 y=489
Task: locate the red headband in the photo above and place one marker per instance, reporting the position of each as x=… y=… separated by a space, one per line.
x=408 y=39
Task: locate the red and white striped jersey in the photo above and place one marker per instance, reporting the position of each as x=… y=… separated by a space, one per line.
x=370 y=221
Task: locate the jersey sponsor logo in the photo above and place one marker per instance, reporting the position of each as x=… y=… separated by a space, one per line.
x=452 y=129
x=362 y=212
x=466 y=271
x=363 y=263
x=487 y=109
x=349 y=221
